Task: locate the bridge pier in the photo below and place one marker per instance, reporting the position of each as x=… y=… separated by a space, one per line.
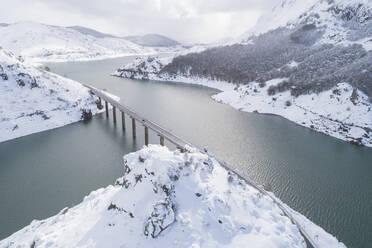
x=146 y=136
x=106 y=106
x=114 y=113
x=123 y=120
x=149 y=125
x=133 y=127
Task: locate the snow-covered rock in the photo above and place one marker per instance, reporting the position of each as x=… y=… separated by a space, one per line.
x=33 y=99
x=40 y=42
x=172 y=199
x=143 y=68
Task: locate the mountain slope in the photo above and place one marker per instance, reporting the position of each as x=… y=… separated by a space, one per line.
x=172 y=199
x=152 y=40
x=34 y=100
x=41 y=42
x=91 y=32
x=342 y=21
x=326 y=50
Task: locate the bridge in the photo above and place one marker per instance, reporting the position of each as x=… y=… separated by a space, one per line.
x=161 y=132
x=183 y=146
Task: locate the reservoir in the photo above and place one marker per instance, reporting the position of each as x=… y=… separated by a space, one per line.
x=326 y=179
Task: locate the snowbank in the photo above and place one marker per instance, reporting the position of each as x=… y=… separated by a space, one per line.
x=34 y=100
x=333 y=112
x=171 y=199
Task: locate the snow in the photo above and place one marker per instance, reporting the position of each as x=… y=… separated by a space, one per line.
x=172 y=199
x=293 y=13
x=33 y=100
x=292 y=64
x=40 y=42
x=281 y=15
x=331 y=112
x=366 y=43
x=148 y=67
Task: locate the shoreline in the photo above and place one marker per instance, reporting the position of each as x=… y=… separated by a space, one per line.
x=54 y=101
x=226 y=88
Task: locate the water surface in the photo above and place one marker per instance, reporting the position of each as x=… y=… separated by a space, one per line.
x=326 y=179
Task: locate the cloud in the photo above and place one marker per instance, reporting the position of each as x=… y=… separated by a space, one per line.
x=184 y=20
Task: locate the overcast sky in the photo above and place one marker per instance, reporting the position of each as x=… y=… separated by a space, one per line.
x=184 y=20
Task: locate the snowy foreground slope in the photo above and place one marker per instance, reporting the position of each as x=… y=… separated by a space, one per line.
x=34 y=100
x=40 y=42
x=171 y=199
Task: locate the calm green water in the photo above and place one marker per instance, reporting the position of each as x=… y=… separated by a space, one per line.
x=324 y=178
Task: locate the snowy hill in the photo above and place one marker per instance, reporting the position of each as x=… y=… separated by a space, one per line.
x=41 y=42
x=172 y=199
x=309 y=61
x=34 y=100
x=91 y=32
x=152 y=40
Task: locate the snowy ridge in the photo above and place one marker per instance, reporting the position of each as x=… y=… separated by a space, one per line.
x=39 y=42
x=153 y=40
x=333 y=112
x=286 y=13
x=33 y=99
x=343 y=21
x=171 y=199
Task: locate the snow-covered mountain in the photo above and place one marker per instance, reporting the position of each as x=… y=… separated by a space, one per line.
x=172 y=199
x=33 y=99
x=342 y=21
x=91 y=32
x=152 y=40
x=40 y=42
x=307 y=60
